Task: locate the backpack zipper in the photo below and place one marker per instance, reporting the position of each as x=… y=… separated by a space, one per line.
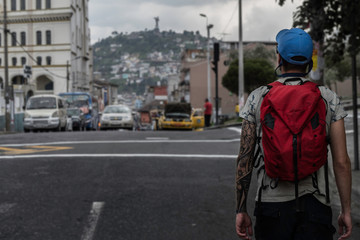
x=295 y=162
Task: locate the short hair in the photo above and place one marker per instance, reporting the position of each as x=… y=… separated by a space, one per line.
x=289 y=66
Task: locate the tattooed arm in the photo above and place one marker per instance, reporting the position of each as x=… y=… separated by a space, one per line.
x=244 y=167
x=245 y=164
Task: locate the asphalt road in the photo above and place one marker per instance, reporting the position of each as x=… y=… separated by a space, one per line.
x=119 y=185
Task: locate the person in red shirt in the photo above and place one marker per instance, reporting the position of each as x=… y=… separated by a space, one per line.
x=207 y=112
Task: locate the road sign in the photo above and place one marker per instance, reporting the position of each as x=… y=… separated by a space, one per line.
x=27 y=71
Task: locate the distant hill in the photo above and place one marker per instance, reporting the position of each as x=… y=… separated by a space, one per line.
x=142 y=58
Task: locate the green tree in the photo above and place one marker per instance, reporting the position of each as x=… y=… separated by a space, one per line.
x=230 y=79
x=259 y=51
x=257 y=72
x=258 y=69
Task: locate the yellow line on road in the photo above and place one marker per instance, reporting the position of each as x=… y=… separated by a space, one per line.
x=31 y=149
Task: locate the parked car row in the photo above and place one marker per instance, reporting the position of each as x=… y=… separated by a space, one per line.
x=52 y=112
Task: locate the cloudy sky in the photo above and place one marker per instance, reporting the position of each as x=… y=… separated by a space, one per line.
x=262 y=19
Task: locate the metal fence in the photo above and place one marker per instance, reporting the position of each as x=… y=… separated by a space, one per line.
x=18 y=122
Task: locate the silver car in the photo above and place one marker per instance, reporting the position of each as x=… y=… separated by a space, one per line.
x=116 y=117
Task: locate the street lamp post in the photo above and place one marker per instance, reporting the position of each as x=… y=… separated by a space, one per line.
x=208 y=27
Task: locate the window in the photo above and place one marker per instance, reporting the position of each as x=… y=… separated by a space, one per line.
x=49 y=86
x=48 y=37
x=48 y=60
x=0 y=61
x=60 y=103
x=13 y=39
x=23 y=38
x=38 y=37
x=38 y=4
x=13 y=5
x=0 y=39
x=38 y=61
x=14 y=61
x=48 y=4
x=23 y=61
x=22 y=5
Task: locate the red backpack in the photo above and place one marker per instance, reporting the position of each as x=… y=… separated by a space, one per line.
x=293 y=124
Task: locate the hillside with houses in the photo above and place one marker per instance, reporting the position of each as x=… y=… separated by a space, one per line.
x=139 y=59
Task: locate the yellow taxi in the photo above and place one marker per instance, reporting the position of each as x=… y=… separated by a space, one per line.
x=181 y=116
x=197 y=118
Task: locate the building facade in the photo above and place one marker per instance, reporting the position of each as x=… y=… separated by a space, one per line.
x=193 y=82
x=53 y=38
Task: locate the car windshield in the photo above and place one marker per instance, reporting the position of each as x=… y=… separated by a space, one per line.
x=77 y=101
x=41 y=103
x=73 y=112
x=117 y=109
x=197 y=113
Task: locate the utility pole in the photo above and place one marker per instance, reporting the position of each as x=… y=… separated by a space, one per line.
x=67 y=76
x=215 y=68
x=241 y=61
x=355 y=113
x=354 y=93
x=7 y=88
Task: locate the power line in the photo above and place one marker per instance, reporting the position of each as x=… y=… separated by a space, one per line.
x=231 y=18
x=47 y=70
x=27 y=53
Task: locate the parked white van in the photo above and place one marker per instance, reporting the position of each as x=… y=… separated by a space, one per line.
x=45 y=112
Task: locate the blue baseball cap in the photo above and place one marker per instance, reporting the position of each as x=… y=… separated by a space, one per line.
x=294 y=42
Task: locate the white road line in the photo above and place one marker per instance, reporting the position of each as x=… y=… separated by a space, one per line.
x=93 y=219
x=235 y=129
x=157 y=138
x=125 y=155
x=120 y=141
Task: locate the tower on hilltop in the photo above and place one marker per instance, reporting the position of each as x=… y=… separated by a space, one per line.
x=157 y=19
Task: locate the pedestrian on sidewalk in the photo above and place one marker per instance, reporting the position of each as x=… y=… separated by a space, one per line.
x=207 y=112
x=237 y=110
x=290 y=205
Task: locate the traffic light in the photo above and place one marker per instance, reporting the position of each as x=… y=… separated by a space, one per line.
x=215 y=58
x=215 y=66
x=216 y=51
